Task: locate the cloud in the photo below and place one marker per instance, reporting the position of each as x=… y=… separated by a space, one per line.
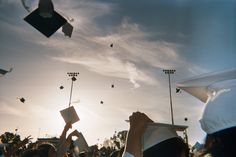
x=131 y=57
x=131 y=51
x=10 y=110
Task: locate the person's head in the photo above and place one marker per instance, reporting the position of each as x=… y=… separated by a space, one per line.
x=47 y=150
x=221 y=143
x=31 y=153
x=162 y=140
x=219 y=122
x=173 y=147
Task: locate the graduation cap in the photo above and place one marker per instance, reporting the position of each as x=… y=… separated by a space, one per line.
x=69 y=115
x=22 y=100
x=178 y=90
x=67 y=29
x=3 y=72
x=45 y=19
x=61 y=87
x=208 y=86
x=159 y=132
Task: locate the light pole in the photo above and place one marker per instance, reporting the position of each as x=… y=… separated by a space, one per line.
x=73 y=76
x=170 y=71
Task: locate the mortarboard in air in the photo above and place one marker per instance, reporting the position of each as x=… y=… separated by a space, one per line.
x=178 y=90
x=4 y=72
x=67 y=29
x=208 y=86
x=45 y=19
x=159 y=132
x=69 y=115
x=22 y=100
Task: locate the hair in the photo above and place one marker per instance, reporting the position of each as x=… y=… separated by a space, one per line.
x=44 y=149
x=172 y=147
x=31 y=153
x=221 y=143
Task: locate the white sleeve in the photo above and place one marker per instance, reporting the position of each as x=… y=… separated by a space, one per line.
x=126 y=154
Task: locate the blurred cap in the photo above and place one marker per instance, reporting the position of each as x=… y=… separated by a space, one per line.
x=208 y=86
x=46 y=26
x=158 y=132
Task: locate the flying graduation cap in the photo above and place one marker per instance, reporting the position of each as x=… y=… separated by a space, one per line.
x=4 y=72
x=22 y=99
x=45 y=19
x=178 y=90
x=61 y=87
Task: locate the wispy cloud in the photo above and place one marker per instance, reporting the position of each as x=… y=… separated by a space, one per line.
x=131 y=51
x=7 y=109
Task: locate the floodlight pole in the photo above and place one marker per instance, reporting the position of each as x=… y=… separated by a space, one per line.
x=170 y=71
x=73 y=76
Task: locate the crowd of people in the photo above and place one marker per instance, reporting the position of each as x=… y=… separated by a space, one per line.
x=218 y=121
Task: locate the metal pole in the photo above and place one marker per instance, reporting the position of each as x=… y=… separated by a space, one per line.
x=71 y=91
x=171 y=107
x=73 y=76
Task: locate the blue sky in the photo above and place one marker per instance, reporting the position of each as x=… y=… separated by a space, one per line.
x=191 y=37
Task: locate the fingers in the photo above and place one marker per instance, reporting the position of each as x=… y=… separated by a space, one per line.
x=68 y=125
x=139 y=116
x=29 y=137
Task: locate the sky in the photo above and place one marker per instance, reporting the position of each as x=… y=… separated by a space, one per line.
x=192 y=37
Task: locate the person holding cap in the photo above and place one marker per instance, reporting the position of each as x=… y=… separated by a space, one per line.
x=148 y=139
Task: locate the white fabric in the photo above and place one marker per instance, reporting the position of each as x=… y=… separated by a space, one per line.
x=220 y=113
x=218 y=91
x=202 y=87
x=127 y=154
x=158 y=132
